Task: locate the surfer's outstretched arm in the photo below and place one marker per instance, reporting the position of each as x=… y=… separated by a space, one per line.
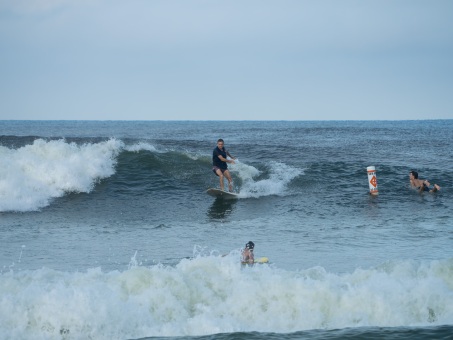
x=230 y=155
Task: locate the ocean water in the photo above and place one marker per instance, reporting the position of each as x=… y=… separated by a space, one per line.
x=106 y=231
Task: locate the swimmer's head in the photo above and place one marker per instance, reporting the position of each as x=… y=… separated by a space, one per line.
x=250 y=245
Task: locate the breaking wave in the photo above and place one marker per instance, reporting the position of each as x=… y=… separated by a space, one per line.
x=35 y=174
x=213 y=294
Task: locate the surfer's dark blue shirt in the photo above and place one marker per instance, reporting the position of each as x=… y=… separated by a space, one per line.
x=216 y=160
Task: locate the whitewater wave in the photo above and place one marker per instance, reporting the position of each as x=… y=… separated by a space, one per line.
x=33 y=175
x=212 y=294
x=279 y=175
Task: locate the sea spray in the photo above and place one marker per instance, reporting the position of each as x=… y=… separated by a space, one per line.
x=278 y=176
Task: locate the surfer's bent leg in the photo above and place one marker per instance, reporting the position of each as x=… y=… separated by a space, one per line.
x=219 y=173
x=230 y=180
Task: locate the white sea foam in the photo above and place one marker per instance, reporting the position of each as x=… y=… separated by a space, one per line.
x=280 y=175
x=212 y=294
x=31 y=176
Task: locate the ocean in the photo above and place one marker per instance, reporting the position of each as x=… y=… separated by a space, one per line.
x=106 y=230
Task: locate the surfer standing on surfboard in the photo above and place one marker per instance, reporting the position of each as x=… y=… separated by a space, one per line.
x=219 y=164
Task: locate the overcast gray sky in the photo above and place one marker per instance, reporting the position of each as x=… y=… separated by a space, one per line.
x=226 y=59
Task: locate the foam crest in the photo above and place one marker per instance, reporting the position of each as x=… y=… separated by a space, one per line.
x=141 y=146
x=144 y=146
x=212 y=294
x=278 y=179
x=31 y=176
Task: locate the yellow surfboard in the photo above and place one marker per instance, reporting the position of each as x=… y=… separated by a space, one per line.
x=262 y=260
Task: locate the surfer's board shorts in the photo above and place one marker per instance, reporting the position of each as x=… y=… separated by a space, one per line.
x=215 y=168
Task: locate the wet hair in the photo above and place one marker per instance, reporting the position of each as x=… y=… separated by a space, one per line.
x=250 y=245
x=415 y=174
x=220 y=140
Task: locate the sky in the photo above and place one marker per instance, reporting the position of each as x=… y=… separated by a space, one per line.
x=226 y=59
